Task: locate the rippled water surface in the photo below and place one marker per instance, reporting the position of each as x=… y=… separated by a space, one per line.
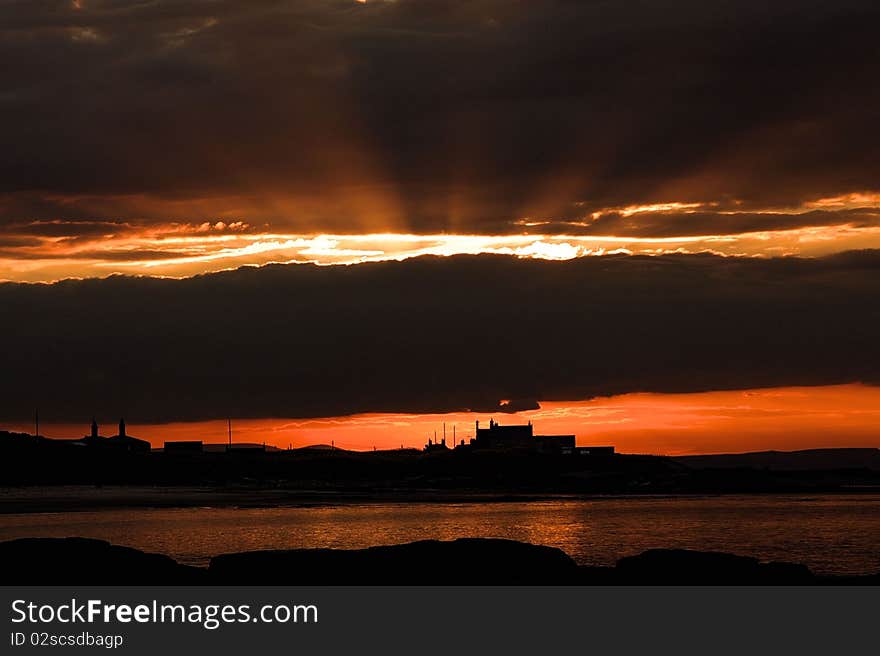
x=830 y=534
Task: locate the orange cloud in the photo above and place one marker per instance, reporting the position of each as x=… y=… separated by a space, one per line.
x=181 y=250
x=49 y=250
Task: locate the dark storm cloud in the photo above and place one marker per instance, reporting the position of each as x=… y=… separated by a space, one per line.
x=433 y=334
x=697 y=223
x=68 y=228
x=466 y=114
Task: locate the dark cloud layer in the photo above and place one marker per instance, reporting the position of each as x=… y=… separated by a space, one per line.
x=450 y=114
x=433 y=334
x=703 y=223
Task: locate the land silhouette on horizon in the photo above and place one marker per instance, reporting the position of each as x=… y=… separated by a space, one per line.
x=520 y=465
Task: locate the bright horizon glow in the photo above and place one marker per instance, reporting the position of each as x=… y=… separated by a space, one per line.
x=177 y=255
x=48 y=251
x=785 y=419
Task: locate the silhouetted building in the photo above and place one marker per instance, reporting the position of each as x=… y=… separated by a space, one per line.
x=93 y=438
x=125 y=442
x=561 y=444
x=503 y=437
x=433 y=446
x=119 y=442
x=522 y=436
x=183 y=446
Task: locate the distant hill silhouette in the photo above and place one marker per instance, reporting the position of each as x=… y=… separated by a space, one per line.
x=26 y=460
x=804 y=460
x=319 y=447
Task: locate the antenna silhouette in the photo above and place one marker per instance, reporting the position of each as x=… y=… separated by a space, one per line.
x=229 y=430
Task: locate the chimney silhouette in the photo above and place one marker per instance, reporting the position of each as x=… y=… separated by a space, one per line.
x=94 y=429
x=122 y=428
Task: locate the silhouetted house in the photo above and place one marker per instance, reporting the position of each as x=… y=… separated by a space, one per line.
x=522 y=436
x=119 y=442
x=183 y=446
x=433 y=446
x=125 y=442
x=503 y=437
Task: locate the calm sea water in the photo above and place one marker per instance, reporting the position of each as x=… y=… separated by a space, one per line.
x=830 y=534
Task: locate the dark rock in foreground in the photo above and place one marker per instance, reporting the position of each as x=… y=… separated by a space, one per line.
x=685 y=567
x=83 y=561
x=471 y=561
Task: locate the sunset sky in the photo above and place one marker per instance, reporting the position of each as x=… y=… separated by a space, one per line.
x=659 y=222
x=709 y=422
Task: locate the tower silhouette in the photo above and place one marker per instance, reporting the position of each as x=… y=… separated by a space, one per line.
x=94 y=429
x=122 y=428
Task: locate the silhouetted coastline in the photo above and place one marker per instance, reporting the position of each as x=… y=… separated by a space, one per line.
x=42 y=475
x=414 y=474
x=467 y=561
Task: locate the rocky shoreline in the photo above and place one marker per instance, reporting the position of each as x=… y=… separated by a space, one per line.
x=467 y=561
